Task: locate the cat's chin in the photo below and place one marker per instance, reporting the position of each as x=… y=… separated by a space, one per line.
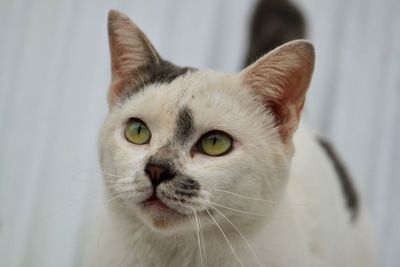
x=162 y=218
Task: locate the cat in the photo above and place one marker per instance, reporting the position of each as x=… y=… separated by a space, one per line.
x=203 y=168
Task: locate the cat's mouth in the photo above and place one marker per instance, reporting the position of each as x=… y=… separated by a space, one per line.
x=165 y=215
x=154 y=202
x=155 y=206
x=163 y=202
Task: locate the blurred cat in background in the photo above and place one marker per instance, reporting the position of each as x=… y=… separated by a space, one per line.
x=203 y=168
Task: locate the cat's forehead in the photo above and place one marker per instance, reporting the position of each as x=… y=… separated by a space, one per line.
x=196 y=92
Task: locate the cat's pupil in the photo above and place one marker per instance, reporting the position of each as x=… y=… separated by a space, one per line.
x=214 y=140
x=139 y=129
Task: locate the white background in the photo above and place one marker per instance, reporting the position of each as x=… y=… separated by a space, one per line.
x=54 y=74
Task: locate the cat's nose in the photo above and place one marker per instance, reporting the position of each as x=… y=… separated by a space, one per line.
x=158 y=173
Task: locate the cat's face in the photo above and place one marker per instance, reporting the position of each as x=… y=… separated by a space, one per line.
x=179 y=142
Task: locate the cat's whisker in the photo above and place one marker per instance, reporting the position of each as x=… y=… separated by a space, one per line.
x=124 y=189
x=114 y=175
x=123 y=180
x=242 y=196
x=233 y=209
x=242 y=235
x=252 y=198
x=118 y=196
x=226 y=238
x=204 y=242
x=116 y=183
x=198 y=237
x=102 y=172
x=194 y=227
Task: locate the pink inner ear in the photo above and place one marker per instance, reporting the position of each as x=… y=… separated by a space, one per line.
x=289 y=104
x=282 y=77
x=284 y=97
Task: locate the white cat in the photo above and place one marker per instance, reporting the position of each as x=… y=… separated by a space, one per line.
x=207 y=169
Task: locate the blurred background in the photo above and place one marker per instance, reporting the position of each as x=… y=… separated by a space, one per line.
x=54 y=75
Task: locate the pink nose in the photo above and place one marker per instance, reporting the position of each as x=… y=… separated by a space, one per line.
x=158 y=173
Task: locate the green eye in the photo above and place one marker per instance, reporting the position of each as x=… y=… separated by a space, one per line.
x=137 y=132
x=215 y=143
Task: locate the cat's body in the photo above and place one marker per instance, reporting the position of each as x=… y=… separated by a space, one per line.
x=175 y=198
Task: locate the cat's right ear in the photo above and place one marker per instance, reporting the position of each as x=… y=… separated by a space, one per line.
x=131 y=54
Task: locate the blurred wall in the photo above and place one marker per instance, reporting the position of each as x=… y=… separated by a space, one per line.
x=54 y=73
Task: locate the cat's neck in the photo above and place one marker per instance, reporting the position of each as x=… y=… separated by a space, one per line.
x=183 y=248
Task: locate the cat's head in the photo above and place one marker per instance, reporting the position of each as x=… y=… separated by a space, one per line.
x=179 y=141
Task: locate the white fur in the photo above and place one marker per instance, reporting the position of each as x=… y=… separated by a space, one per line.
x=294 y=213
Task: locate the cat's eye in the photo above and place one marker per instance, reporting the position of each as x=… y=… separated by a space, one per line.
x=137 y=132
x=215 y=143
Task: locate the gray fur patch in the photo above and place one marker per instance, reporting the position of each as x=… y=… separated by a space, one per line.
x=184 y=125
x=164 y=72
x=190 y=184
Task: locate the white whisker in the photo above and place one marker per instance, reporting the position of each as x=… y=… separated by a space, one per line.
x=203 y=243
x=114 y=175
x=251 y=198
x=243 y=237
x=226 y=238
x=241 y=211
x=198 y=237
x=102 y=172
x=241 y=196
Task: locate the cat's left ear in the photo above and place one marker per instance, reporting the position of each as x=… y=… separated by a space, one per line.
x=132 y=54
x=282 y=78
